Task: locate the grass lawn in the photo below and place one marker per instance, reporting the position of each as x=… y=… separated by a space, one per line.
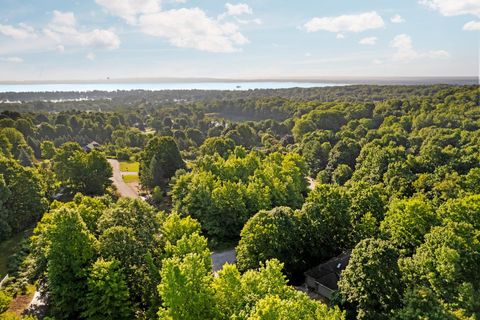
x=129 y=166
x=130 y=178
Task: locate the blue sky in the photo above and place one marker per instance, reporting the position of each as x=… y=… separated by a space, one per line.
x=95 y=39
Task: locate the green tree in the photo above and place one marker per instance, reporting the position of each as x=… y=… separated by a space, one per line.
x=422 y=303
x=465 y=209
x=97 y=173
x=367 y=209
x=107 y=296
x=406 y=223
x=48 y=149
x=372 y=279
x=448 y=263
x=5 y=300
x=71 y=250
x=221 y=145
x=175 y=227
x=23 y=197
x=88 y=173
x=325 y=223
x=167 y=160
x=185 y=287
x=341 y=174
x=299 y=306
x=271 y=234
x=316 y=155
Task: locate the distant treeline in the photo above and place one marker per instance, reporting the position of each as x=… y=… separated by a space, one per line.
x=62 y=101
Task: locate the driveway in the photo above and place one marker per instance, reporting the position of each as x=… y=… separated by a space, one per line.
x=124 y=189
x=222 y=257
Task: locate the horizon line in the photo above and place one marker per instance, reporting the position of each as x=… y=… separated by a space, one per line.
x=322 y=79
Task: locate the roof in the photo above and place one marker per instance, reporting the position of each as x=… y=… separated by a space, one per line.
x=328 y=273
x=92 y=145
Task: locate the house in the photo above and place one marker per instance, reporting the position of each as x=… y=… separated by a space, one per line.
x=323 y=278
x=91 y=146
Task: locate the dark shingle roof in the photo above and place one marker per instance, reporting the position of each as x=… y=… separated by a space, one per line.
x=328 y=273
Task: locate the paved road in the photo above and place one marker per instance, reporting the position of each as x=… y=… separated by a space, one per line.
x=124 y=189
x=222 y=257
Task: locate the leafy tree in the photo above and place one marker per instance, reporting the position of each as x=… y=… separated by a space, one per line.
x=421 y=303
x=107 y=296
x=372 y=279
x=5 y=300
x=185 y=287
x=344 y=152
x=448 y=263
x=88 y=173
x=301 y=128
x=270 y=234
x=263 y=293
x=175 y=227
x=465 y=209
x=71 y=249
x=316 y=155
x=341 y=174
x=325 y=223
x=406 y=223
x=298 y=306
x=17 y=141
x=367 y=210
x=48 y=149
x=23 y=200
x=167 y=160
x=130 y=233
x=222 y=146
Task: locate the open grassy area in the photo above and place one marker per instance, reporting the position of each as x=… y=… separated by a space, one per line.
x=126 y=166
x=130 y=178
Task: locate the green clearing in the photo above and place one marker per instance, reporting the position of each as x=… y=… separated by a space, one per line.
x=126 y=166
x=130 y=178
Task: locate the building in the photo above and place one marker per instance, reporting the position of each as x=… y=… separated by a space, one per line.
x=91 y=146
x=323 y=278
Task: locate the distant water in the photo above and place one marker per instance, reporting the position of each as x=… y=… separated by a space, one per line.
x=82 y=87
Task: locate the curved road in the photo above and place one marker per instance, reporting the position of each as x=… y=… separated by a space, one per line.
x=124 y=189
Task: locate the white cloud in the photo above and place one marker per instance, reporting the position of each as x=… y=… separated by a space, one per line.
x=454 y=7
x=377 y=61
x=192 y=28
x=397 y=19
x=90 y=56
x=184 y=27
x=238 y=9
x=22 y=32
x=340 y=36
x=130 y=9
x=346 y=23
x=472 y=26
x=368 y=41
x=63 y=30
x=405 y=51
x=243 y=21
x=12 y=59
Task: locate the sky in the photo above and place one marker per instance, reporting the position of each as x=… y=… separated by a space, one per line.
x=99 y=39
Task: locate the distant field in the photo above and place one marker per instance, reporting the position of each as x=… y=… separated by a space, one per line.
x=129 y=166
x=130 y=178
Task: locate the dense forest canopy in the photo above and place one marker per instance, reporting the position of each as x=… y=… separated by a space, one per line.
x=290 y=177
